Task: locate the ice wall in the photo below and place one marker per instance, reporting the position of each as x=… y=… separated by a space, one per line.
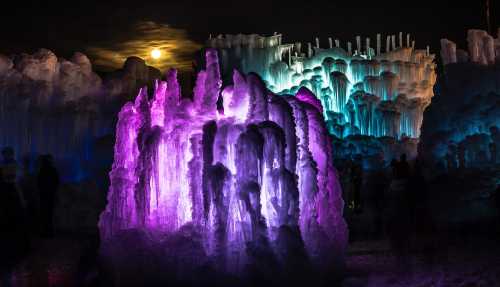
x=241 y=176
x=58 y=106
x=363 y=91
x=461 y=126
x=482 y=48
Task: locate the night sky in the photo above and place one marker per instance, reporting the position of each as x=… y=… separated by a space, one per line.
x=99 y=29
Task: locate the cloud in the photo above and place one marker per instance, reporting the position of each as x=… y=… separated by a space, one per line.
x=175 y=45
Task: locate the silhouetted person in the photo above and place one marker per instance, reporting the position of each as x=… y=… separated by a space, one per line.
x=399 y=221
x=10 y=169
x=493 y=152
x=379 y=183
x=356 y=183
x=346 y=181
x=394 y=164
x=496 y=198
x=27 y=184
x=402 y=168
x=9 y=165
x=451 y=157
x=48 y=183
x=418 y=192
x=425 y=227
x=13 y=239
x=461 y=155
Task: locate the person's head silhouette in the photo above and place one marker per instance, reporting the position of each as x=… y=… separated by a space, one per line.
x=402 y=158
x=46 y=160
x=7 y=154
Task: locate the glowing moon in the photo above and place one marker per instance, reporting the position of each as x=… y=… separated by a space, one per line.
x=156 y=54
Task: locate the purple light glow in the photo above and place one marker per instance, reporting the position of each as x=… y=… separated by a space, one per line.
x=236 y=176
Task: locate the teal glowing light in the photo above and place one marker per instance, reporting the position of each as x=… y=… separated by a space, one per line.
x=363 y=91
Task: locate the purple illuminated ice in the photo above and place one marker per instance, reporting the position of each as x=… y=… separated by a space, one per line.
x=241 y=175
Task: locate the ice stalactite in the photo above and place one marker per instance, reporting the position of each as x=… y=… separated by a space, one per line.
x=365 y=105
x=338 y=84
x=335 y=75
x=239 y=175
x=388 y=118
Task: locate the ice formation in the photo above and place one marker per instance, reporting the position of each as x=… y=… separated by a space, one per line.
x=483 y=49
x=461 y=126
x=365 y=91
x=240 y=175
x=57 y=106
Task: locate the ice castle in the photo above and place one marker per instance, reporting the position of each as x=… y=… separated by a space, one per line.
x=364 y=90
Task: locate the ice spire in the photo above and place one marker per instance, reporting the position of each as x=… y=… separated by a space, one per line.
x=379 y=39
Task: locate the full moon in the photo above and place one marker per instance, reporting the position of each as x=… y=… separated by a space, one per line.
x=156 y=54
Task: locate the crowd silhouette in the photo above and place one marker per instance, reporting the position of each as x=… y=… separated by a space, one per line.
x=23 y=214
x=48 y=184
x=397 y=202
x=496 y=200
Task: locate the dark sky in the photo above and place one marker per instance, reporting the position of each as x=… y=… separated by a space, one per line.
x=76 y=26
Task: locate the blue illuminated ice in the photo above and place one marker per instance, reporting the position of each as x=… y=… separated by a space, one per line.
x=363 y=91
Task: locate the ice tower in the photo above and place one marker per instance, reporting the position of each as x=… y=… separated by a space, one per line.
x=246 y=177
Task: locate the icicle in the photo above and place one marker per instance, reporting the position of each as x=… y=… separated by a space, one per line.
x=358 y=43
x=379 y=39
x=368 y=47
x=290 y=57
x=298 y=47
x=330 y=43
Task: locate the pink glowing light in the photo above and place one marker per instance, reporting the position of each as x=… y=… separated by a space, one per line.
x=236 y=176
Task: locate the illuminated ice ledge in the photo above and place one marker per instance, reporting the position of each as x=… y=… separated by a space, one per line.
x=253 y=178
x=363 y=90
